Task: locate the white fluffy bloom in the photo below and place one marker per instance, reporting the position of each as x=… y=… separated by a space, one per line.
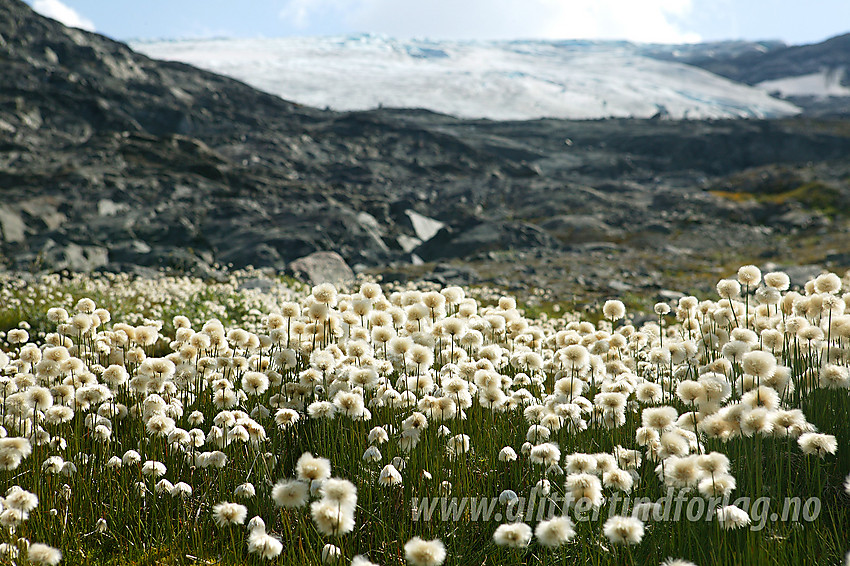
x=39 y=553
x=732 y=517
x=265 y=545
x=339 y=491
x=514 y=535
x=555 y=532
x=547 y=453
x=817 y=443
x=291 y=493
x=390 y=476
x=225 y=513
x=507 y=454
x=372 y=454
x=623 y=530
x=331 y=554
x=419 y=552
x=332 y=519
x=309 y=467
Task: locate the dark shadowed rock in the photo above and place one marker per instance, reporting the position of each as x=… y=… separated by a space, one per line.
x=322 y=267
x=800 y=274
x=485 y=237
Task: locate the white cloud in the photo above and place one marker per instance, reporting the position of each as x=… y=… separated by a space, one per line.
x=62 y=13
x=660 y=21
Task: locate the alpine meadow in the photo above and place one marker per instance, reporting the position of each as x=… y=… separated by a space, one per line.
x=175 y=421
x=405 y=283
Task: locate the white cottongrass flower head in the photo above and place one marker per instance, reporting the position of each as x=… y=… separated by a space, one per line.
x=291 y=493
x=419 y=552
x=182 y=490
x=507 y=454
x=163 y=486
x=508 y=497
x=309 y=468
x=390 y=476
x=732 y=517
x=340 y=491
x=817 y=443
x=623 y=530
x=332 y=519
x=614 y=309
x=584 y=486
x=256 y=523
x=513 y=535
x=267 y=546
x=372 y=455
x=555 y=532
x=331 y=554
x=226 y=513
x=547 y=453
x=777 y=280
x=728 y=288
x=153 y=469
x=21 y=499
x=245 y=490
x=39 y=553
x=749 y=275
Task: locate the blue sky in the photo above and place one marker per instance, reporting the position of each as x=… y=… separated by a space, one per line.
x=663 y=21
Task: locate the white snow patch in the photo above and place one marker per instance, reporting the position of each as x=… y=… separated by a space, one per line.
x=822 y=85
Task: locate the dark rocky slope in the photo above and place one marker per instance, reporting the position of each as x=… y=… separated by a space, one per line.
x=110 y=160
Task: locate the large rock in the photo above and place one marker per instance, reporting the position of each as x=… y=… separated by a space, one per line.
x=425 y=228
x=12 y=227
x=74 y=257
x=485 y=237
x=579 y=228
x=322 y=267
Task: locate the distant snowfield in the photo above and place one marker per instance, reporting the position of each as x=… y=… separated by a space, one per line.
x=822 y=85
x=516 y=80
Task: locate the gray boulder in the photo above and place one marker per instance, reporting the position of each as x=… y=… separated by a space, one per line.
x=74 y=257
x=322 y=267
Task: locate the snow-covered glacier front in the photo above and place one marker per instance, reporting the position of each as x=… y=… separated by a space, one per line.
x=507 y=80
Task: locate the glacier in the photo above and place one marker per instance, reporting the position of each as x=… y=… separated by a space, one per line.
x=498 y=80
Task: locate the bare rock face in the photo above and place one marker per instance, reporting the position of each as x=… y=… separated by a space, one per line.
x=112 y=161
x=322 y=267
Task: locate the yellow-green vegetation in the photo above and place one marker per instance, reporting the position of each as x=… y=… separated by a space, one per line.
x=254 y=421
x=784 y=185
x=814 y=195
